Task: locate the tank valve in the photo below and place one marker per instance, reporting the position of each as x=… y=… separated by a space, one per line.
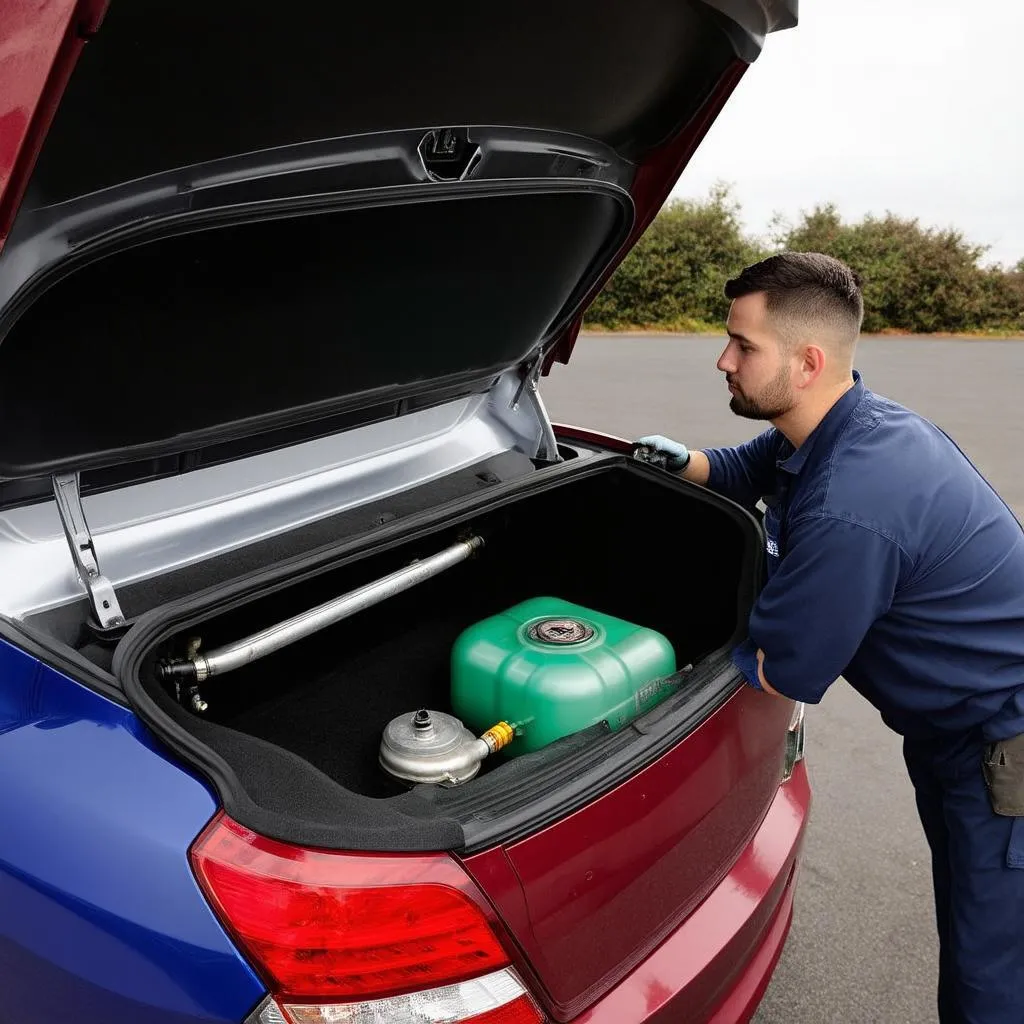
x=422 y=725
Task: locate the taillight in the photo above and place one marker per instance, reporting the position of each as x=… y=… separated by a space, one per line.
x=496 y=999
x=795 y=739
x=357 y=939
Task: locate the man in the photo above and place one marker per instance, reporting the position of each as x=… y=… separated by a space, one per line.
x=893 y=563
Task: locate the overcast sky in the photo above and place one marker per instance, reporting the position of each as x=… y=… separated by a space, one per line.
x=913 y=106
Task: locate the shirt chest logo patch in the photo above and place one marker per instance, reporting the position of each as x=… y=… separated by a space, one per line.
x=773 y=547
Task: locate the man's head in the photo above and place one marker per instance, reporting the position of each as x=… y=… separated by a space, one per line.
x=793 y=327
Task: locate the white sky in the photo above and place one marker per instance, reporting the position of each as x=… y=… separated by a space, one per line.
x=913 y=106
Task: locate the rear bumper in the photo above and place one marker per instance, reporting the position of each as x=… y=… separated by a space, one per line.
x=715 y=967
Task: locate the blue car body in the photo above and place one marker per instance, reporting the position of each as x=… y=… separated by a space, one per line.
x=102 y=919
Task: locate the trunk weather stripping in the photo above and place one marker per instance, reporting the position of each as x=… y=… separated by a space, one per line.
x=102 y=598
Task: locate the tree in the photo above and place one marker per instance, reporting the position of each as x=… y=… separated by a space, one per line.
x=914 y=278
x=677 y=270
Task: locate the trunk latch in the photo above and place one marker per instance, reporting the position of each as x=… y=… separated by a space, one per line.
x=448 y=154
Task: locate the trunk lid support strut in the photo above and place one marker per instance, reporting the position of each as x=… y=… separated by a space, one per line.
x=102 y=598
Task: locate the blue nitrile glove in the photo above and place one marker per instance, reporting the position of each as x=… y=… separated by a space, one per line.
x=677 y=456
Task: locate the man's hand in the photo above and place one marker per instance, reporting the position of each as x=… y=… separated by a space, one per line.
x=692 y=466
x=750 y=661
x=765 y=685
x=677 y=455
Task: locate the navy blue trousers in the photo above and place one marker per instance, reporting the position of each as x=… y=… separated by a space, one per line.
x=978 y=874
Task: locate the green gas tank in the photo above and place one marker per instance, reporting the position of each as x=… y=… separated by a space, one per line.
x=550 y=668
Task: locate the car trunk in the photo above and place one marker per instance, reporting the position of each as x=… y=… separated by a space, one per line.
x=559 y=838
x=327 y=698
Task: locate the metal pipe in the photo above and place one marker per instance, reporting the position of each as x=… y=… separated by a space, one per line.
x=259 y=645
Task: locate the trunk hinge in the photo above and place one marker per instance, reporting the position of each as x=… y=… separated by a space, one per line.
x=104 y=601
x=529 y=389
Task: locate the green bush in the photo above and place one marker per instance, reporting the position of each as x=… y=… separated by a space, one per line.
x=1004 y=301
x=674 y=276
x=916 y=279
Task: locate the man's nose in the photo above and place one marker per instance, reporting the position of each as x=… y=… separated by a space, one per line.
x=726 y=363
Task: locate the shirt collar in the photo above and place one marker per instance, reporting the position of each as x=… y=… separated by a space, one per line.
x=825 y=431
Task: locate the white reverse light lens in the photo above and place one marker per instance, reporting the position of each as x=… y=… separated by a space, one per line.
x=447 y=1005
x=269 y=1014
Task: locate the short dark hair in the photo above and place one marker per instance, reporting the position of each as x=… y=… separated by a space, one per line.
x=806 y=288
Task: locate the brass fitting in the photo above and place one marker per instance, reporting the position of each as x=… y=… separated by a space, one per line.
x=498 y=736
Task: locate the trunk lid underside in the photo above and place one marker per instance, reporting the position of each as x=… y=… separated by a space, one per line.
x=293 y=216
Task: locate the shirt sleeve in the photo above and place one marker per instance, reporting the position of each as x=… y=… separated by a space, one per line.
x=746 y=472
x=835 y=579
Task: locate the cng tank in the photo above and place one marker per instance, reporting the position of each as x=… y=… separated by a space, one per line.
x=552 y=668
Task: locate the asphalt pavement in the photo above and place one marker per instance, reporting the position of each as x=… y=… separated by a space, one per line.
x=862 y=947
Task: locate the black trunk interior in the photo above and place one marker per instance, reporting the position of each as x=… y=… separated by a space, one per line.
x=623 y=542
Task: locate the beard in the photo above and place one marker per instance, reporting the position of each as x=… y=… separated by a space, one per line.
x=772 y=403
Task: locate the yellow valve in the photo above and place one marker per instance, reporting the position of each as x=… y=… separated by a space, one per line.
x=499 y=736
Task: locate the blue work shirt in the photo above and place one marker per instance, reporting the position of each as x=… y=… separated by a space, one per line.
x=892 y=563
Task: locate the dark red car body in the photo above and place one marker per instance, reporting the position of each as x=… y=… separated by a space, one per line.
x=629 y=916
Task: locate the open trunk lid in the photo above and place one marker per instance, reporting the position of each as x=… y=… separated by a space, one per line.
x=235 y=219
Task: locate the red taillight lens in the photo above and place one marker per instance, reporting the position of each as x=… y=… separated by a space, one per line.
x=324 y=926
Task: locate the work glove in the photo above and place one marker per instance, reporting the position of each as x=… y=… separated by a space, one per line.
x=676 y=455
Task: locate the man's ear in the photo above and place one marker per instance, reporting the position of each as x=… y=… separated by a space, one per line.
x=813 y=361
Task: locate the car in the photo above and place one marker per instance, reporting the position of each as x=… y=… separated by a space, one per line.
x=338 y=683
